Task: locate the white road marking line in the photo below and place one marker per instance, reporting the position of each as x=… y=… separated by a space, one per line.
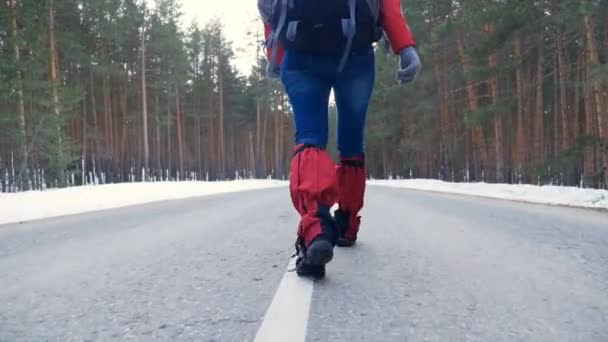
x=287 y=316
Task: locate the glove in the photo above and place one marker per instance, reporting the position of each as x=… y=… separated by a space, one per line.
x=273 y=70
x=409 y=66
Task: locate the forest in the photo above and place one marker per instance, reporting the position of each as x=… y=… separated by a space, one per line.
x=106 y=91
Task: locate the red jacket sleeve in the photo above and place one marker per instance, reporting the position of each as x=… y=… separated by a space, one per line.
x=394 y=24
x=280 y=50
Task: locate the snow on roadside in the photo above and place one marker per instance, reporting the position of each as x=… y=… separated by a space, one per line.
x=552 y=195
x=34 y=205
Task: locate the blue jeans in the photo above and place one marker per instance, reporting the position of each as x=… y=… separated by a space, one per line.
x=308 y=81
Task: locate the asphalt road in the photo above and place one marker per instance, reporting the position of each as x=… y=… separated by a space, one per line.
x=429 y=267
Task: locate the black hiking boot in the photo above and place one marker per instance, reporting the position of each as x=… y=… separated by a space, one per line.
x=310 y=262
x=341 y=218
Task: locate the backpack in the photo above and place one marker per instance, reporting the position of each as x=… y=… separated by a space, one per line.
x=326 y=27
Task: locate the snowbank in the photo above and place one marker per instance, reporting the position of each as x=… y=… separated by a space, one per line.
x=42 y=204
x=552 y=195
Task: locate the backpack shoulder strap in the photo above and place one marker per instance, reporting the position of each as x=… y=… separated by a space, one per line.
x=349 y=27
x=281 y=24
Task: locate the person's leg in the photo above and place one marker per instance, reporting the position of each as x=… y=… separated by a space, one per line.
x=308 y=90
x=313 y=184
x=353 y=92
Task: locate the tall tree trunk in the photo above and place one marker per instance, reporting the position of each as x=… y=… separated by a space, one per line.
x=121 y=155
x=596 y=88
x=106 y=119
x=144 y=99
x=446 y=143
x=85 y=139
x=498 y=129
x=520 y=141
x=556 y=144
x=22 y=150
x=480 y=152
x=54 y=80
x=178 y=122
x=95 y=157
x=232 y=164
x=159 y=164
x=197 y=121
x=539 y=133
x=53 y=63
x=276 y=143
x=601 y=114
x=111 y=111
x=562 y=73
x=169 y=149
x=211 y=143
x=113 y=100
x=199 y=147
x=257 y=139
x=222 y=148
x=589 y=167
x=385 y=161
x=578 y=97
x=252 y=160
x=198 y=124
x=263 y=154
x=280 y=162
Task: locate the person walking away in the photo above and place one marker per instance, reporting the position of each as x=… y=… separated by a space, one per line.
x=316 y=46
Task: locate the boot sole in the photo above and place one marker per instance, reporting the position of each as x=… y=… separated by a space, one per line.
x=346 y=243
x=313 y=271
x=320 y=253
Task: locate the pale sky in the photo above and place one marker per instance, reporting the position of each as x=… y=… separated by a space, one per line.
x=238 y=17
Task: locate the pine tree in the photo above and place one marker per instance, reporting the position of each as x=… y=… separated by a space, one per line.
x=510 y=91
